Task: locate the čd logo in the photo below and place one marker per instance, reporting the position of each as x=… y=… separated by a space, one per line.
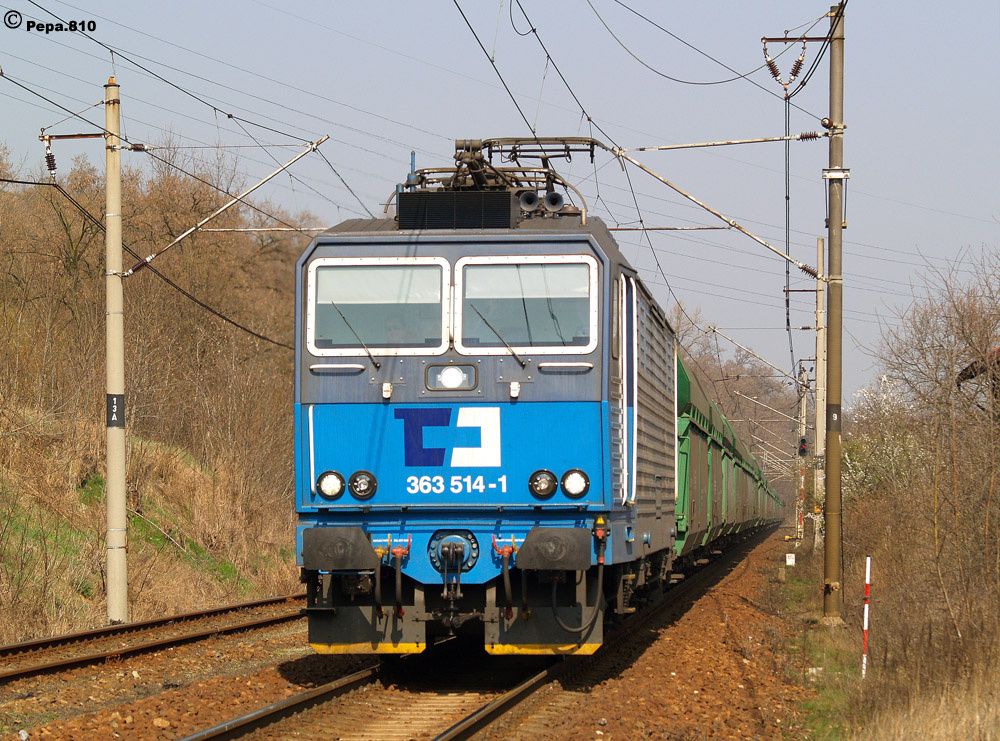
x=417 y=420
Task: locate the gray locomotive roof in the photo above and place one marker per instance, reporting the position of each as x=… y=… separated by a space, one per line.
x=570 y=224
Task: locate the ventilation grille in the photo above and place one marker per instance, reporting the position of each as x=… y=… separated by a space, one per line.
x=449 y=209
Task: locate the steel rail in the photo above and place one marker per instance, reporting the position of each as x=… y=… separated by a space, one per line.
x=109 y=630
x=275 y=711
x=497 y=706
x=46 y=667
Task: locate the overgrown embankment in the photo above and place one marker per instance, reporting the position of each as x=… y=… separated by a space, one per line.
x=191 y=543
x=922 y=497
x=209 y=483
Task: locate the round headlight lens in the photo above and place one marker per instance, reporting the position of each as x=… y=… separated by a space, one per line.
x=452 y=377
x=330 y=484
x=575 y=483
x=542 y=484
x=363 y=484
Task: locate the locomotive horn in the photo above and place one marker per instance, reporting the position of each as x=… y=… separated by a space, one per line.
x=529 y=200
x=553 y=201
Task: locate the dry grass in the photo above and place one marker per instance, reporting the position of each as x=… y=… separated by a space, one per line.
x=946 y=708
x=189 y=546
x=922 y=468
x=967 y=712
x=209 y=482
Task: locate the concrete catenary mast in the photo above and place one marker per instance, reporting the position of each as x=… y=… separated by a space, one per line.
x=836 y=177
x=117 y=576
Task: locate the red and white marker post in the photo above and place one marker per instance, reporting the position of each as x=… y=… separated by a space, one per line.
x=864 y=634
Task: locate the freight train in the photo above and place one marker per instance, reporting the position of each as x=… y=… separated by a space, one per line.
x=494 y=431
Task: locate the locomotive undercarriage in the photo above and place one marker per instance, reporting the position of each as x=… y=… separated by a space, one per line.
x=542 y=612
x=526 y=612
x=548 y=598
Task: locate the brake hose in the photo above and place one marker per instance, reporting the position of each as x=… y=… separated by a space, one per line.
x=597 y=608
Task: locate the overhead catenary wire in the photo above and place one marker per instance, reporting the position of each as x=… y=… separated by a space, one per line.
x=593 y=124
x=450 y=70
x=165 y=161
x=67 y=118
x=715 y=212
x=795 y=379
x=72 y=114
x=239 y=120
x=659 y=72
x=724 y=380
x=147 y=148
x=619 y=153
x=841 y=7
x=349 y=188
x=223 y=191
x=647 y=236
x=438 y=134
x=864 y=255
x=717 y=61
x=569 y=88
x=644 y=204
x=312 y=147
x=510 y=12
x=309 y=114
x=680 y=240
x=256 y=74
x=864 y=317
x=189 y=138
x=165 y=279
x=623 y=158
x=788 y=234
x=700 y=292
x=597 y=183
x=293 y=176
x=285 y=107
x=495 y=68
x=167 y=81
x=313 y=21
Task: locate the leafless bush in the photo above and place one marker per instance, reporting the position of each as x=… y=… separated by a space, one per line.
x=210 y=412
x=921 y=477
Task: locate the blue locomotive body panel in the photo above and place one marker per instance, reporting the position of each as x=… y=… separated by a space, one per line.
x=445 y=465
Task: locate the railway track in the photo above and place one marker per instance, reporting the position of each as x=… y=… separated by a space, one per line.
x=370 y=710
x=435 y=697
x=32 y=658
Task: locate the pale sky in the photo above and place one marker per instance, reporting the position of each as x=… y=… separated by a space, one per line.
x=385 y=78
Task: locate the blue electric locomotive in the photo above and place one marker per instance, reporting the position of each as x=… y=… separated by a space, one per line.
x=486 y=417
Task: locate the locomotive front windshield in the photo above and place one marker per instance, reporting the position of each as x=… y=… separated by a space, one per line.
x=526 y=305
x=378 y=306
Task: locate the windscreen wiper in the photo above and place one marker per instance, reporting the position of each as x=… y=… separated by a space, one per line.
x=356 y=335
x=499 y=336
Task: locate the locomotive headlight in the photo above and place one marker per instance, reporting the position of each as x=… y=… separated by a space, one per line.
x=362 y=484
x=451 y=377
x=575 y=483
x=542 y=484
x=330 y=484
